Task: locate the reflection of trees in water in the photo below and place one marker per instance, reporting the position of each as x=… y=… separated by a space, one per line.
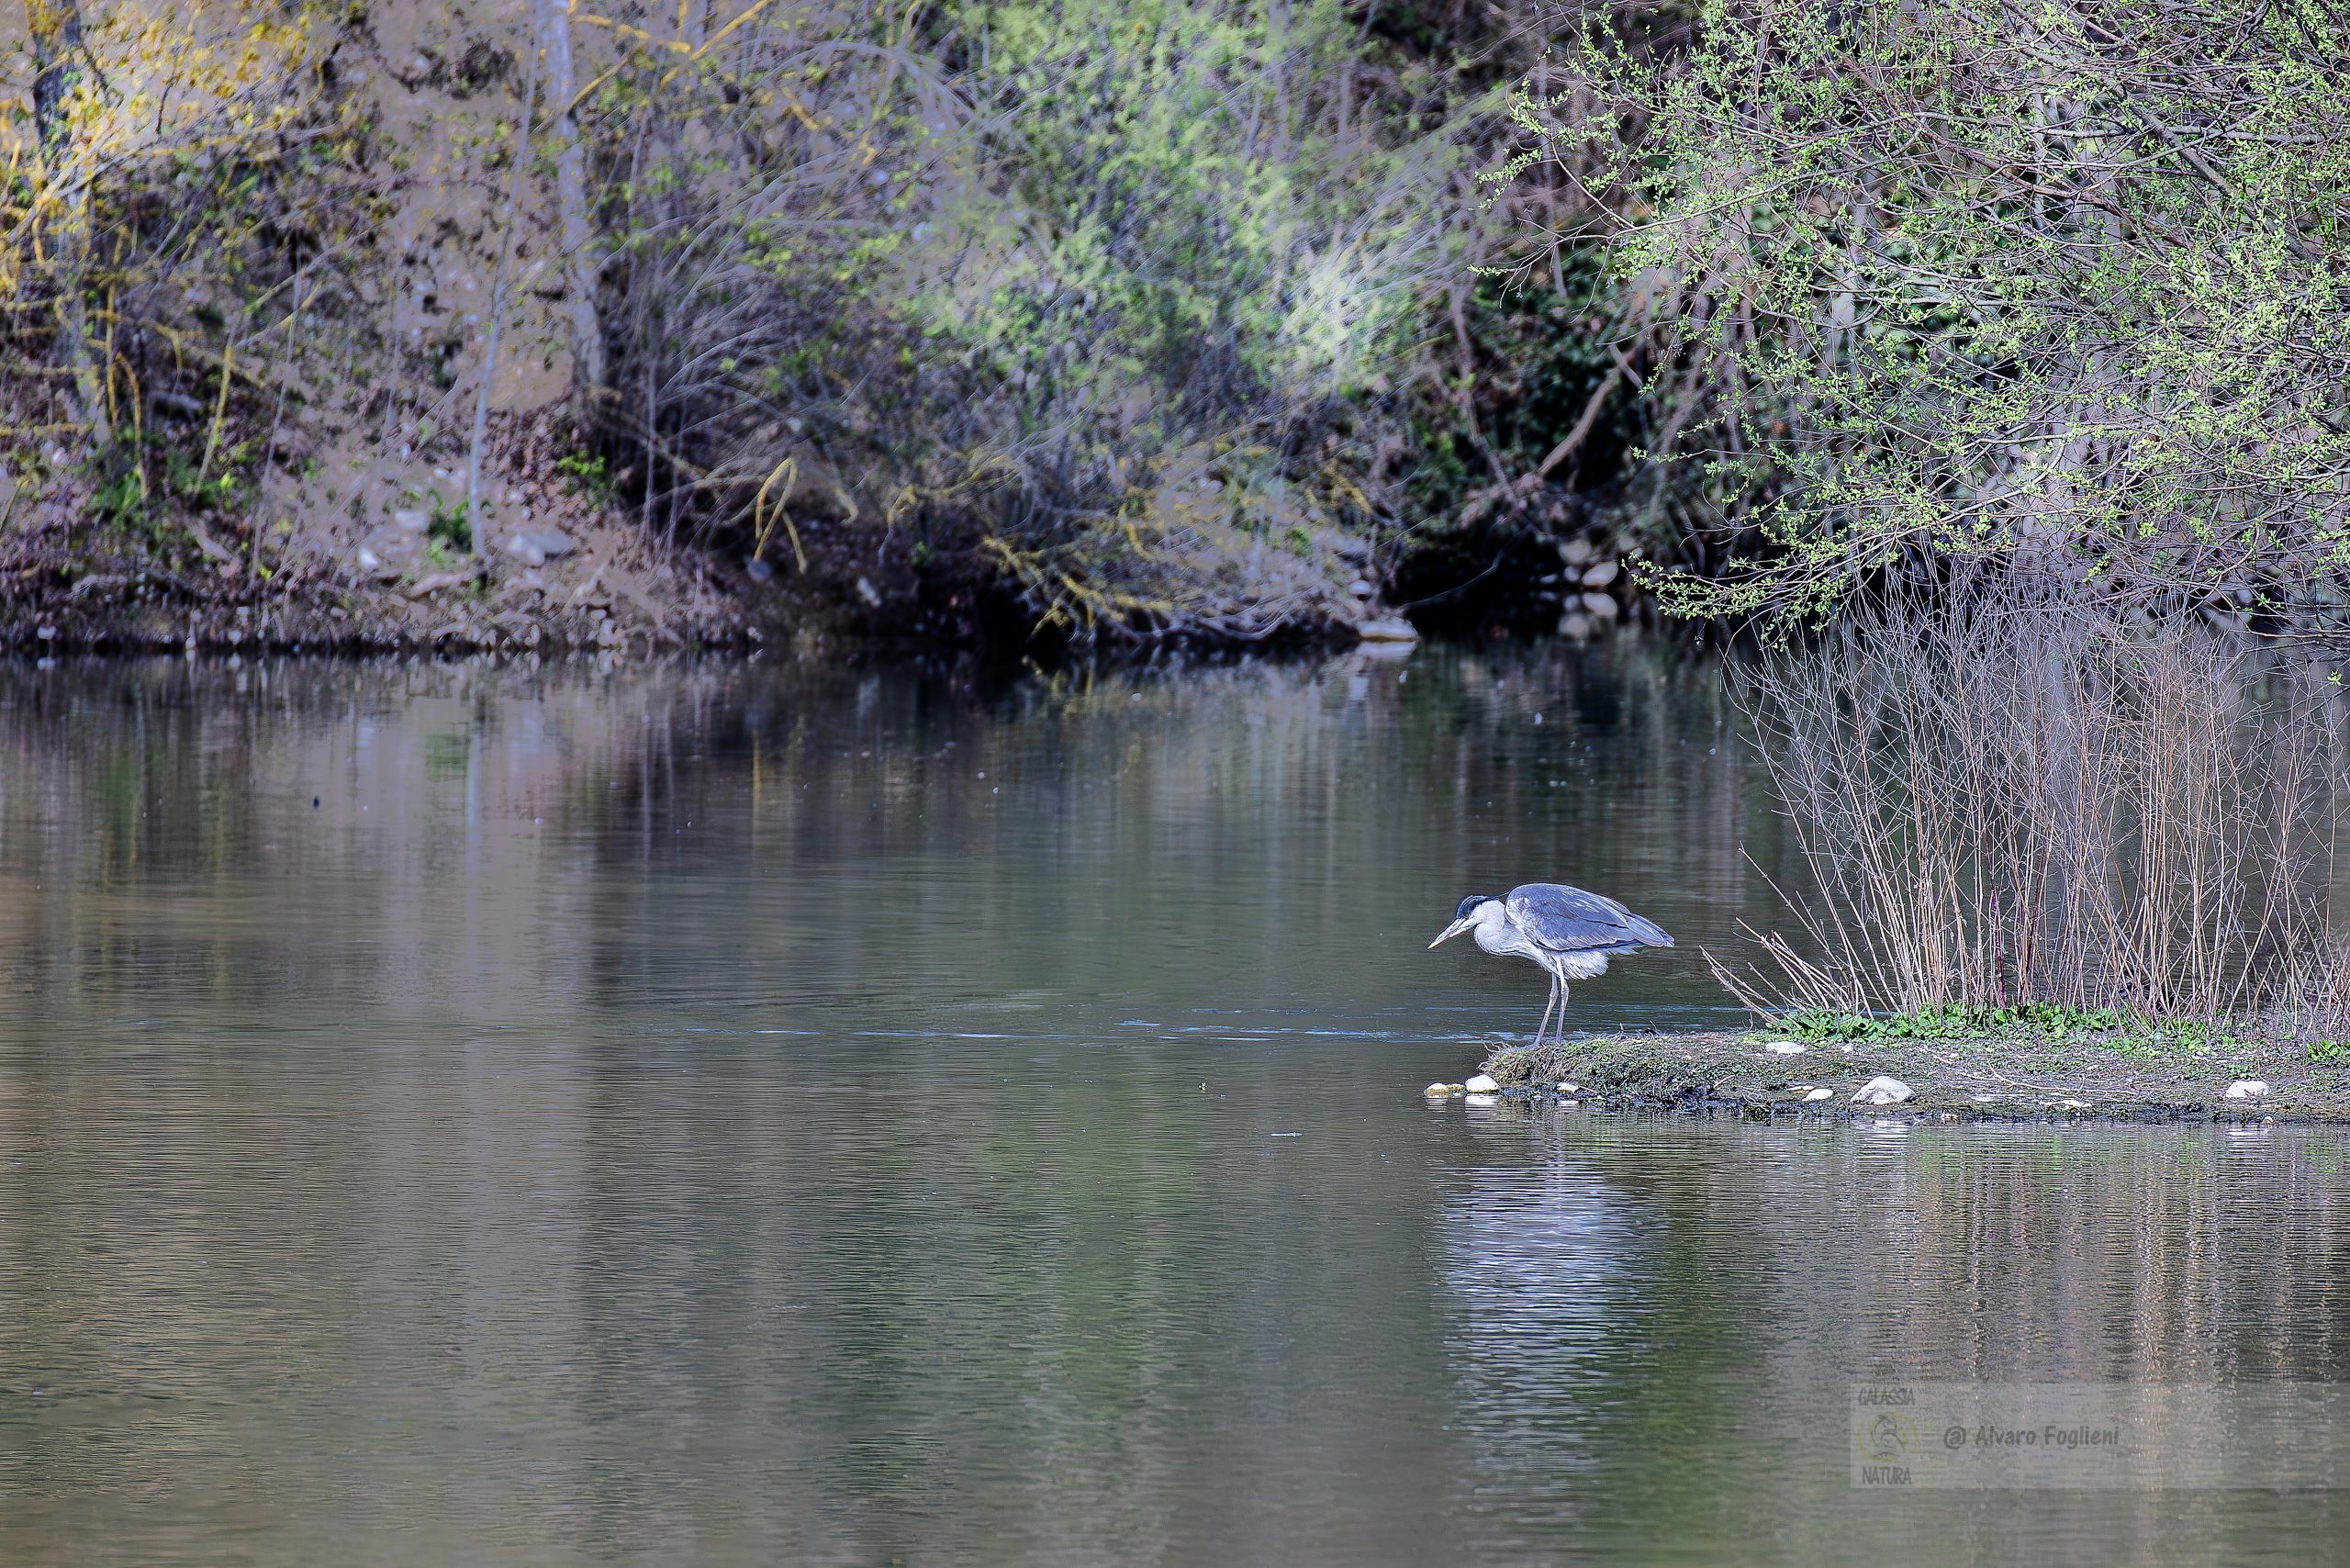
x=1542 y=1264
x=689 y=834
x=1602 y=1300
x=158 y=841
x=1656 y=1323
x=1237 y=831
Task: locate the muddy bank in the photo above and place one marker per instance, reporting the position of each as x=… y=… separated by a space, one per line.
x=576 y=571
x=2024 y=1077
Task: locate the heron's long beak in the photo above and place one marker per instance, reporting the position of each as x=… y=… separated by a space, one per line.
x=1451 y=931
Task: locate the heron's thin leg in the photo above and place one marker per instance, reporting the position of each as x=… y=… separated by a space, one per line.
x=1546 y=1013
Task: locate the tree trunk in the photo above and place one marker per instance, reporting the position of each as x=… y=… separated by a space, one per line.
x=477 y=526
x=62 y=240
x=580 y=268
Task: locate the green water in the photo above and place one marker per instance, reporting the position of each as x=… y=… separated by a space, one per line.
x=757 y=1114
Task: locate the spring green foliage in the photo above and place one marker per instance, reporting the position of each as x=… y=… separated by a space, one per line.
x=588 y=474
x=1956 y=1022
x=1164 y=317
x=1097 y=292
x=1190 y=251
x=1178 y=212
x=185 y=206
x=2115 y=1029
x=1539 y=349
x=2059 y=285
x=151 y=495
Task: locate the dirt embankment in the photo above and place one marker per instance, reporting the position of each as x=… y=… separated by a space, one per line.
x=567 y=574
x=2021 y=1077
x=294 y=471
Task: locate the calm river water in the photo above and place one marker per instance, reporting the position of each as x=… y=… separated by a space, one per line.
x=763 y=1114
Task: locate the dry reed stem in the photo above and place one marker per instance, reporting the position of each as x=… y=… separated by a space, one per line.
x=2007 y=795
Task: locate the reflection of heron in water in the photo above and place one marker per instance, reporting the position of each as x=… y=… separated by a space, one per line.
x=1553 y=1276
x=1569 y=933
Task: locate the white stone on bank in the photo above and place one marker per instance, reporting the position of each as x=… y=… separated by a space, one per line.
x=1882 y=1091
x=1818 y=1094
x=2248 y=1089
x=1481 y=1084
x=537 y=547
x=1783 y=1048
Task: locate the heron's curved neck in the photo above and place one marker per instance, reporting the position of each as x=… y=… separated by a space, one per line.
x=1500 y=938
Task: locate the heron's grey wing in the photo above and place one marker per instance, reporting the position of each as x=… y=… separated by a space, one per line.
x=1569 y=919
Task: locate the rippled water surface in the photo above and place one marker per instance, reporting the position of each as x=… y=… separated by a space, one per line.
x=726 y=1115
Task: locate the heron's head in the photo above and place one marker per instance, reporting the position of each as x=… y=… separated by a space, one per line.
x=1475 y=910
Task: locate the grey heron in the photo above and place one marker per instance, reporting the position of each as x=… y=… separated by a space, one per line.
x=1567 y=932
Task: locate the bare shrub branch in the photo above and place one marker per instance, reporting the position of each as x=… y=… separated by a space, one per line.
x=2008 y=795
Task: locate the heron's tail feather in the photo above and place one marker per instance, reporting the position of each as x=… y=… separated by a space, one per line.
x=1648 y=930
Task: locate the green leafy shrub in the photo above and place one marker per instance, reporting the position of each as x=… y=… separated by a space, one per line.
x=2053 y=287
x=1956 y=1022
